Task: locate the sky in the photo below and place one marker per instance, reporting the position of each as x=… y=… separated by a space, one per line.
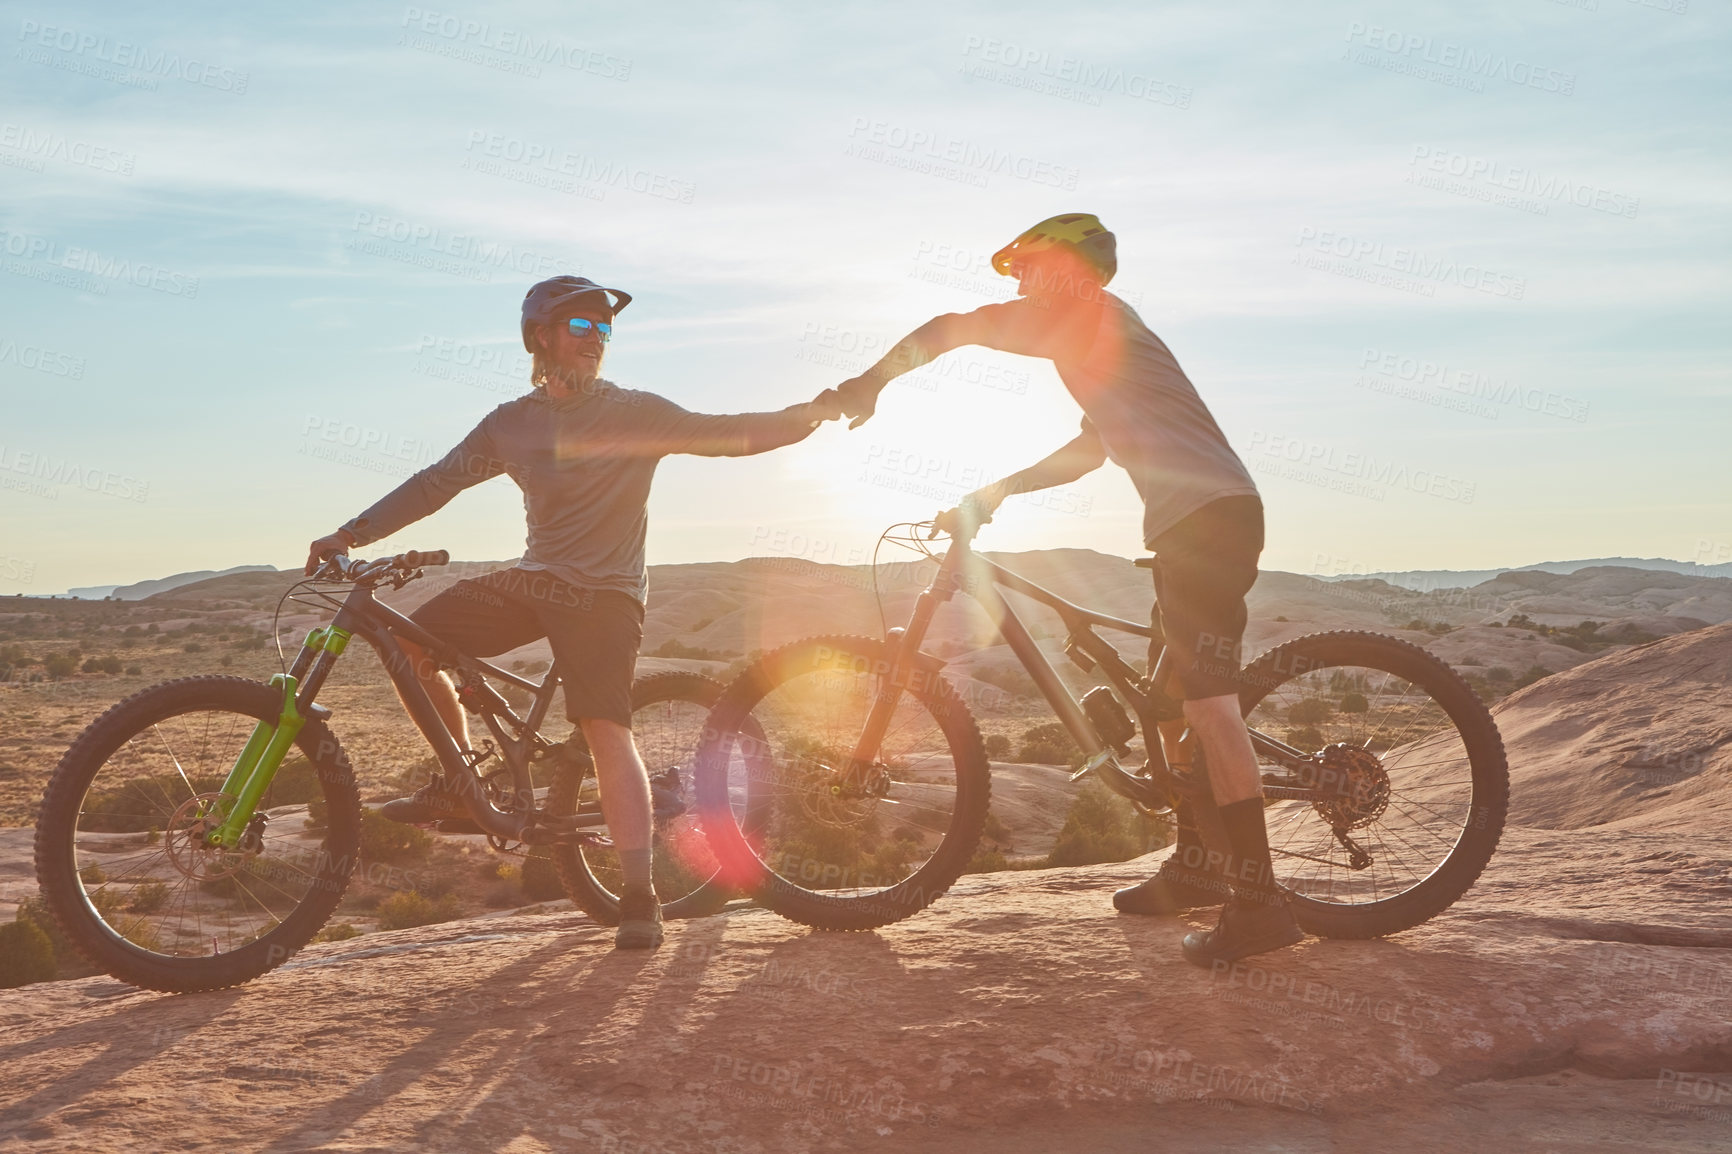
x=1453 y=277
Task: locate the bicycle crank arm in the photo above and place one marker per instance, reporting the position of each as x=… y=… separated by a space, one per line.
x=1105 y=766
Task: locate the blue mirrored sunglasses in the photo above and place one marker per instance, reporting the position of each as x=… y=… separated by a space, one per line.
x=583 y=326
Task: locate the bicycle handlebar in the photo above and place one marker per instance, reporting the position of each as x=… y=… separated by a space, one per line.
x=338 y=567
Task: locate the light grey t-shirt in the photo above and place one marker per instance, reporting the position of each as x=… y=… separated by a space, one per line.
x=1147 y=414
x=585 y=464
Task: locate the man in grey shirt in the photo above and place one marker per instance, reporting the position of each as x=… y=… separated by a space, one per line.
x=1201 y=517
x=584 y=451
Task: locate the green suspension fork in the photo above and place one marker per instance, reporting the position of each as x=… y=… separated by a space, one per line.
x=264 y=751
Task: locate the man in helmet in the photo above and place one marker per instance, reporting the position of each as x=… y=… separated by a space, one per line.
x=584 y=452
x=1202 y=518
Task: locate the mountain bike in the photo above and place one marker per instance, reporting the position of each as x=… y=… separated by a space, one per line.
x=201 y=831
x=1384 y=778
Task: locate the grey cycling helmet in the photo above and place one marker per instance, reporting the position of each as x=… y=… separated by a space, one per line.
x=555 y=299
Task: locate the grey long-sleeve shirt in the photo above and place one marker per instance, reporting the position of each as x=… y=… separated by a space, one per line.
x=1138 y=401
x=585 y=464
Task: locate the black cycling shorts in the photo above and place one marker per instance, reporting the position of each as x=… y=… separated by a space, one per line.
x=1204 y=566
x=594 y=633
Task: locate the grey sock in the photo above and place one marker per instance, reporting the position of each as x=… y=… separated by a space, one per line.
x=634 y=867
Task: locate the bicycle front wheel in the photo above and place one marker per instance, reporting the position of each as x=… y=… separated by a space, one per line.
x=1415 y=770
x=122 y=862
x=818 y=844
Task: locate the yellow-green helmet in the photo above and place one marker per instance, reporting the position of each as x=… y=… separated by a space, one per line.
x=1082 y=231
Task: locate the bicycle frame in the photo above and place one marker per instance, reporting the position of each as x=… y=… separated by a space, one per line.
x=362 y=615
x=963 y=570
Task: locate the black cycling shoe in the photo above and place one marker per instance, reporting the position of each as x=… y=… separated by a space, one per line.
x=666 y=794
x=434 y=804
x=1248 y=925
x=640 y=919
x=1172 y=890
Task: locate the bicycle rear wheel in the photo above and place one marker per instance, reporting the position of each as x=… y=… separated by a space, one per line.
x=668 y=712
x=821 y=847
x=1421 y=781
x=120 y=856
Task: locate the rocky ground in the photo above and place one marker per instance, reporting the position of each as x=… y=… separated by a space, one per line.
x=1579 y=998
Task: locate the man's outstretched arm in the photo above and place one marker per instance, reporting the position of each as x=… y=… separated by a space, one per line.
x=677 y=430
x=1077 y=459
x=470 y=463
x=1011 y=326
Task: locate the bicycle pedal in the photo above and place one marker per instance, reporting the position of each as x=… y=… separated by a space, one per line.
x=1092 y=764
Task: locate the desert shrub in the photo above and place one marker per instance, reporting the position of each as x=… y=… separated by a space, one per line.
x=997 y=746
x=500 y=897
x=539 y=879
x=406 y=909
x=673 y=647
x=337 y=932
x=140 y=803
x=147 y=897
x=1306 y=737
x=26 y=954
x=1533 y=674
x=1010 y=678
x=1308 y=712
x=1354 y=703
x=296 y=782
x=986 y=860
x=135 y=670
x=59 y=665
x=1101 y=827
x=994 y=828
x=385 y=840
x=192 y=647
x=1048 y=744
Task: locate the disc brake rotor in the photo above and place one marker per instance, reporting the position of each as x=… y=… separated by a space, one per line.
x=186 y=840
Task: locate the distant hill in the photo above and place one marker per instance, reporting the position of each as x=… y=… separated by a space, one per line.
x=139 y=590
x=1426 y=579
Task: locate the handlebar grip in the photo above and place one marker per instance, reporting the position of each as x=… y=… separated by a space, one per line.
x=415 y=559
